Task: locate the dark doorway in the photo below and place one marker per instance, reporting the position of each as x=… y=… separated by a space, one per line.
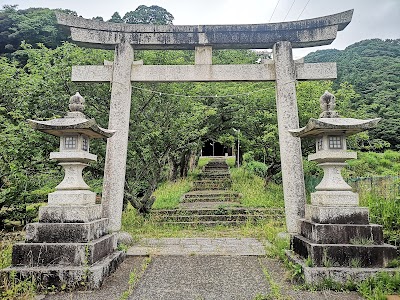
x=211 y=148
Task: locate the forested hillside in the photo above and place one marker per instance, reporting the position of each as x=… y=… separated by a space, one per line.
x=373 y=68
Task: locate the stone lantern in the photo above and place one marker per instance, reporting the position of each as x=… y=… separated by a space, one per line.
x=70 y=245
x=336 y=231
x=75 y=132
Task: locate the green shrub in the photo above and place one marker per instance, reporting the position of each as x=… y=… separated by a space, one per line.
x=257 y=168
x=377 y=287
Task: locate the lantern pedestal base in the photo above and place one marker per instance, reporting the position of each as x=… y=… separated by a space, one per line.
x=73 y=197
x=337 y=214
x=69 y=214
x=69 y=277
x=334 y=198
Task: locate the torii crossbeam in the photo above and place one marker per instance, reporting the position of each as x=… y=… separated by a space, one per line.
x=281 y=37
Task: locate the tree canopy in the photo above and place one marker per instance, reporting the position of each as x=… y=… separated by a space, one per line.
x=149 y=15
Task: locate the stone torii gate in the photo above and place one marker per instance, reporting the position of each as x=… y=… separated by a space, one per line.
x=281 y=37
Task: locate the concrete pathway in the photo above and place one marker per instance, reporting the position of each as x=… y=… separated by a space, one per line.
x=201 y=269
x=198 y=246
x=202 y=277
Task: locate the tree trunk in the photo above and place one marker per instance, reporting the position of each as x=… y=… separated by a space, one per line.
x=174 y=167
x=185 y=164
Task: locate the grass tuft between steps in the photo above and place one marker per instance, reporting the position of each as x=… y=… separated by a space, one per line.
x=255 y=194
x=169 y=193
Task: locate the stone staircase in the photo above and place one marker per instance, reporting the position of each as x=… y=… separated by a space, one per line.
x=211 y=202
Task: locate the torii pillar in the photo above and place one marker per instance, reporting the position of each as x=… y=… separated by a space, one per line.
x=116 y=154
x=290 y=148
x=281 y=37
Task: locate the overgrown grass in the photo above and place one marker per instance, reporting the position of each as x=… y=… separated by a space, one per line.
x=385 y=212
x=145 y=227
x=379 y=286
x=255 y=194
x=203 y=161
x=231 y=161
x=10 y=287
x=169 y=193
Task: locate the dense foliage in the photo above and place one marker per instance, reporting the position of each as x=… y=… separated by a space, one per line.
x=373 y=68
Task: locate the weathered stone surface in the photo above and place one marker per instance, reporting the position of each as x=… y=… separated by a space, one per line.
x=73 y=197
x=124 y=238
x=63 y=254
x=65 y=232
x=198 y=246
x=117 y=145
x=204 y=72
x=315 y=127
x=290 y=147
x=203 y=55
x=341 y=233
x=81 y=124
x=316 y=275
x=337 y=214
x=332 y=156
x=343 y=255
x=70 y=277
x=305 y=33
x=334 y=198
x=69 y=214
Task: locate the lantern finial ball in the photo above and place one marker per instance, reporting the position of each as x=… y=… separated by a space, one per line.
x=76 y=103
x=328 y=103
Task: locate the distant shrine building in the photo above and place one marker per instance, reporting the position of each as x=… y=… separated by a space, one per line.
x=213 y=148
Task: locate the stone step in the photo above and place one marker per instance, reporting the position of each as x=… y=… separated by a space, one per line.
x=210 y=196
x=344 y=255
x=63 y=254
x=215 y=170
x=206 y=223
x=211 y=217
x=341 y=233
x=273 y=211
x=215 y=175
x=202 y=185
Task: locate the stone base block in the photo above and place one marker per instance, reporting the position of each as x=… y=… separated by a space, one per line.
x=65 y=232
x=69 y=276
x=69 y=214
x=63 y=254
x=341 y=233
x=343 y=255
x=76 y=197
x=316 y=275
x=337 y=214
x=334 y=198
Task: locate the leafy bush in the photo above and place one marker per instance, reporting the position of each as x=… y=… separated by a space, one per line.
x=377 y=287
x=257 y=168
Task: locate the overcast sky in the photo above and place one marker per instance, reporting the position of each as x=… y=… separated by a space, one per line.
x=371 y=19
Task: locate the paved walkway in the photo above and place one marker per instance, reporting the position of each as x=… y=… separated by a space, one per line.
x=198 y=246
x=201 y=269
x=202 y=277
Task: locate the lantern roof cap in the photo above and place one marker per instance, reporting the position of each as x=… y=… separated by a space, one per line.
x=346 y=126
x=75 y=121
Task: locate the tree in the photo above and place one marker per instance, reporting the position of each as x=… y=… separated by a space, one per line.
x=32 y=25
x=116 y=18
x=98 y=19
x=149 y=15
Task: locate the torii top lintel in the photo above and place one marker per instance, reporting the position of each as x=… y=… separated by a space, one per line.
x=304 y=33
